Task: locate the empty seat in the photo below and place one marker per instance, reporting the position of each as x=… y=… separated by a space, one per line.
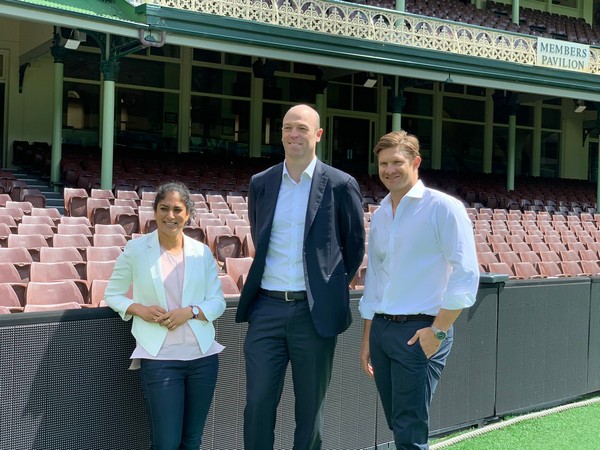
x=37 y=228
x=502 y=268
x=97 y=288
x=110 y=229
x=69 y=220
x=39 y=220
x=20 y=258
x=195 y=233
x=15 y=213
x=147 y=222
x=103 y=193
x=110 y=240
x=58 y=271
x=238 y=268
x=99 y=270
x=61 y=254
x=98 y=210
x=228 y=285
x=33 y=196
x=126 y=217
x=5 y=231
x=550 y=269
x=526 y=270
x=79 y=241
x=571 y=269
x=248 y=245
x=53 y=295
x=590 y=267
x=26 y=207
x=569 y=255
x=509 y=258
x=9 y=299
x=53 y=213
x=31 y=242
x=103 y=253
x=76 y=228
x=223 y=243
x=75 y=202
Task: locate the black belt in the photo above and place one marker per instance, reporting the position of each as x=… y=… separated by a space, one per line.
x=407 y=318
x=288 y=296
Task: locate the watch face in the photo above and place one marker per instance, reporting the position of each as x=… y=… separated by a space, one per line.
x=441 y=335
x=195 y=310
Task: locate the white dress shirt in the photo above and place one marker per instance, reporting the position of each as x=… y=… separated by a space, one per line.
x=422 y=259
x=284 y=270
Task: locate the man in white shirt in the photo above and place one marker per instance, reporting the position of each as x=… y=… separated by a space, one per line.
x=306 y=221
x=422 y=271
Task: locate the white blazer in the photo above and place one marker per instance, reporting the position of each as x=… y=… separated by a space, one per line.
x=139 y=264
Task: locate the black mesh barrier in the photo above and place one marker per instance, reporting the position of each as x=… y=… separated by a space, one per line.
x=65 y=383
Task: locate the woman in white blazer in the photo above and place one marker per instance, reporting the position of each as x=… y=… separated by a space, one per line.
x=176 y=297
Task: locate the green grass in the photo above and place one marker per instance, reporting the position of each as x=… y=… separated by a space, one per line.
x=575 y=429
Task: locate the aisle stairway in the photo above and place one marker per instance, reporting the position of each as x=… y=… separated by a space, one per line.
x=35 y=181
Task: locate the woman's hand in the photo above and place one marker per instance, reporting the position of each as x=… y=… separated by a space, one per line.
x=175 y=318
x=148 y=313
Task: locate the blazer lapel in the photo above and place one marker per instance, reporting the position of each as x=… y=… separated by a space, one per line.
x=267 y=206
x=317 y=189
x=153 y=257
x=190 y=268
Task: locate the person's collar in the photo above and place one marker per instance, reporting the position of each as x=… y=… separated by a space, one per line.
x=416 y=191
x=309 y=171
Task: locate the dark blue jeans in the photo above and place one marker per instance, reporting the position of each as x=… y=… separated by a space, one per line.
x=405 y=379
x=280 y=333
x=178 y=396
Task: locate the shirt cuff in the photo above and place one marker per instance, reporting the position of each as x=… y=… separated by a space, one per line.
x=365 y=312
x=458 y=301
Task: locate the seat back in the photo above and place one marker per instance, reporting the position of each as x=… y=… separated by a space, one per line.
x=53 y=293
x=110 y=240
x=103 y=253
x=99 y=270
x=237 y=268
x=228 y=285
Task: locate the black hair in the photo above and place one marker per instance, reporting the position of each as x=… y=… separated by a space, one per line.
x=181 y=189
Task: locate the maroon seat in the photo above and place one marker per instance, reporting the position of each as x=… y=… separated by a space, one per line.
x=238 y=268
x=31 y=242
x=9 y=299
x=53 y=295
x=103 y=253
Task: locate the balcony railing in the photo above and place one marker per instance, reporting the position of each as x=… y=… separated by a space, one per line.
x=379 y=25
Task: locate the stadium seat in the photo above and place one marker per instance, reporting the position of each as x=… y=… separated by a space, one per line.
x=103 y=253
x=110 y=240
x=5 y=231
x=9 y=299
x=238 y=268
x=97 y=289
x=228 y=285
x=70 y=220
x=126 y=217
x=195 y=233
x=75 y=202
x=58 y=271
x=61 y=254
x=37 y=228
x=110 y=229
x=52 y=213
x=103 y=193
x=98 y=211
x=248 y=246
x=39 y=220
x=31 y=242
x=79 y=241
x=99 y=270
x=26 y=207
x=526 y=270
x=33 y=196
x=53 y=295
x=15 y=213
x=147 y=223
x=550 y=269
x=223 y=243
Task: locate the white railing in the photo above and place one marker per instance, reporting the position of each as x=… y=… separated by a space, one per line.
x=377 y=24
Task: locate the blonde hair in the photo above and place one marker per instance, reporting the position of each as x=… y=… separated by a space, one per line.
x=399 y=139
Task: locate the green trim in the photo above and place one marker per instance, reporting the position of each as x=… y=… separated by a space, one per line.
x=113 y=11
x=207 y=26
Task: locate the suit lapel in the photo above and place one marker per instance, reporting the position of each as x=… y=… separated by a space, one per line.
x=266 y=209
x=317 y=189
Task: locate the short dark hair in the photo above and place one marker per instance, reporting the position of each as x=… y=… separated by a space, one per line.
x=181 y=189
x=399 y=139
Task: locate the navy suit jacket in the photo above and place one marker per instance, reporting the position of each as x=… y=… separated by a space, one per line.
x=334 y=242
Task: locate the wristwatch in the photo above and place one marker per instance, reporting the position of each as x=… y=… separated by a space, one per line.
x=439 y=334
x=195 y=312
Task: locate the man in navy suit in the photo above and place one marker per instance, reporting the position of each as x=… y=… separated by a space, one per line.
x=306 y=223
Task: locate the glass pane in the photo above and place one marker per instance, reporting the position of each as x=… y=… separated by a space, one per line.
x=551 y=118
x=82 y=65
x=550 y=153
x=462 y=147
x=168 y=50
x=418 y=104
x=500 y=150
x=464 y=109
x=217 y=81
x=365 y=99
x=219 y=126
x=238 y=60
x=525 y=116
x=142 y=72
x=207 y=56
x=81 y=111
x=339 y=96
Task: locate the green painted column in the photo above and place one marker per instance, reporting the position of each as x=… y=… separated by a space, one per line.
x=488 y=132
x=59 y=54
x=400 y=5
x=256 y=114
x=110 y=70
x=185 y=100
x=510 y=163
x=536 y=157
x=320 y=107
x=515 y=11
x=397 y=105
x=436 y=135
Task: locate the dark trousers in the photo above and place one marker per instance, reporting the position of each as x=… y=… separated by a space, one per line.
x=280 y=332
x=405 y=379
x=178 y=395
